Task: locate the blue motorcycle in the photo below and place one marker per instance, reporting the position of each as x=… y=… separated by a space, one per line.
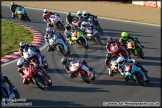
x=8 y=92
x=132 y=72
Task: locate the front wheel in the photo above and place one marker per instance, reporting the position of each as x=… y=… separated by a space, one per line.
x=17 y=94
x=98 y=39
x=39 y=80
x=85 y=78
x=139 y=78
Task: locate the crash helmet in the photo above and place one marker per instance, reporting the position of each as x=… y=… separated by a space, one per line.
x=45 y=11
x=120 y=60
x=79 y=13
x=85 y=13
x=22 y=44
x=124 y=35
x=20 y=63
x=64 y=61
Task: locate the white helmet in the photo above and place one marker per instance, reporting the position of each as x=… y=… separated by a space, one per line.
x=120 y=60
x=79 y=13
x=84 y=24
x=22 y=44
x=85 y=13
x=45 y=10
x=12 y=3
x=20 y=63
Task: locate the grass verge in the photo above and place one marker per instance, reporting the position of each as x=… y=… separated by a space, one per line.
x=11 y=35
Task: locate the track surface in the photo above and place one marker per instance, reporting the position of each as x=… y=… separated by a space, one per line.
x=74 y=92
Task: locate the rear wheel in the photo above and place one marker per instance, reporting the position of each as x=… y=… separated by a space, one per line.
x=85 y=78
x=45 y=65
x=17 y=94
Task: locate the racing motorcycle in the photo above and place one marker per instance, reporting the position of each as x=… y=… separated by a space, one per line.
x=59 y=47
x=34 y=74
x=80 y=71
x=96 y=24
x=135 y=49
x=93 y=35
x=21 y=14
x=56 y=22
x=132 y=72
x=30 y=52
x=116 y=49
x=8 y=92
x=79 y=38
x=113 y=66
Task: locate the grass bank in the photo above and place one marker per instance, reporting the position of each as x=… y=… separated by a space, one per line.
x=11 y=35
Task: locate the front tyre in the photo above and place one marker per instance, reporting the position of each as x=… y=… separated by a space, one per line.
x=139 y=78
x=39 y=80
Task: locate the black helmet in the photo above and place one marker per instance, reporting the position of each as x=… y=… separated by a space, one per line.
x=64 y=61
x=68 y=27
x=68 y=14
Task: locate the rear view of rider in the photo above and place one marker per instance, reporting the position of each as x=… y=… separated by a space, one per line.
x=111 y=41
x=125 y=37
x=68 y=31
x=121 y=61
x=69 y=18
x=47 y=14
x=13 y=8
x=66 y=63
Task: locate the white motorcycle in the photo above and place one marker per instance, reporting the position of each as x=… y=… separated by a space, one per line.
x=57 y=22
x=59 y=46
x=93 y=35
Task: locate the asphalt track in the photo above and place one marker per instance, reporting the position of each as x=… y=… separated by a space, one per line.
x=74 y=92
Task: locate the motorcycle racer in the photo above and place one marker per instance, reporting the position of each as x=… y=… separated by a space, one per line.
x=125 y=37
x=49 y=34
x=24 y=45
x=21 y=67
x=66 y=62
x=110 y=41
x=121 y=61
x=69 y=18
x=13 y=8
x=46 y=15
x=4 y=78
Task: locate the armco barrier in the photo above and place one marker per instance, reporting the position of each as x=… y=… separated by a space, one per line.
x=153 y=3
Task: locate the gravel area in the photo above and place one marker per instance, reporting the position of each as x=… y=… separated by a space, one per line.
x=108 y=9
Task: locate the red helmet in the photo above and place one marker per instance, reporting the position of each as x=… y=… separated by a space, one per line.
x=109 y=40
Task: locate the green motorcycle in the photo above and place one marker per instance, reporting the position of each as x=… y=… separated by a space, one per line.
x=78 y=38
x=21 y=14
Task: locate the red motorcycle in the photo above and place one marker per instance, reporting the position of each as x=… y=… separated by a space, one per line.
x=80 y=71
x=36 y=76
x=118 y=50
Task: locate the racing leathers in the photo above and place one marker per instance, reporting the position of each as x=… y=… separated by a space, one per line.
x=72 y=75
x=13 y=9
x=33 y=47
x=123 y=49
x=47 y=16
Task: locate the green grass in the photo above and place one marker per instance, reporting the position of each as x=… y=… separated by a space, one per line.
x=11 y=35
